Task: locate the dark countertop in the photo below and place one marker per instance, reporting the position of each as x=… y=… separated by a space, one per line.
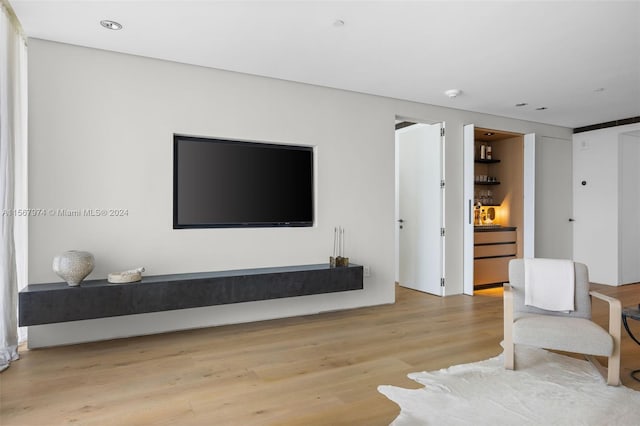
x=493 y=228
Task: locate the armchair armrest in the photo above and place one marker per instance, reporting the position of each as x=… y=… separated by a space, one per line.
x=615 y=313
x=508 y=298
x=615 y=325
x=609 y=299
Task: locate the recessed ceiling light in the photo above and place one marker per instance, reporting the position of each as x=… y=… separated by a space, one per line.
x=521 y=104
x=452 y=93
x=111 y=25
x=541 y=108
x=338 y=23
x=489 y=134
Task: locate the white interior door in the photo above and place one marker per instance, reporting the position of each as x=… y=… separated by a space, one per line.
x=554 y=204
x=628 y=226
x=420 y=201
x=468 y=176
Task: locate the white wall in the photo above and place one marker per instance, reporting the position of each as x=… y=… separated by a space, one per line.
x=100 y=137
x=596 y=242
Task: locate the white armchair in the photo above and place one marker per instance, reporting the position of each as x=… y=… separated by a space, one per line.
x=570 y=332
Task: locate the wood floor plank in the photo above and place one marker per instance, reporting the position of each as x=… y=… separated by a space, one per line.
x=312 y=370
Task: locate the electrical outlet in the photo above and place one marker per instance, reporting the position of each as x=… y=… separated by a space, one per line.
x=366 y=270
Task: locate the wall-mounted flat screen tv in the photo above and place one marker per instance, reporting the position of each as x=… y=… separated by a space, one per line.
x=220 y=183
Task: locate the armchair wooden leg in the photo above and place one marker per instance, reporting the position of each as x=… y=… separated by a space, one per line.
x=613 y=369
x=509 y=359
x=612 y=372
x=507 y=342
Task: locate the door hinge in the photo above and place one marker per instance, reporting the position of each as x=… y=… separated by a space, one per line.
x=442 y=131
x=442 y=232
x=441 y=282
x=442 y=183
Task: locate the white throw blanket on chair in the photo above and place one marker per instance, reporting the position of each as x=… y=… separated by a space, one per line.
x=549 y=284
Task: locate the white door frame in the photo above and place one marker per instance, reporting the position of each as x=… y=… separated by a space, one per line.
x=468 y=178
x=442 y=200
x=529 y=205
x=528 y=232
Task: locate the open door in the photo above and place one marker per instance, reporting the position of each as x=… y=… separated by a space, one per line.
x=420 y=205
x=468 y=176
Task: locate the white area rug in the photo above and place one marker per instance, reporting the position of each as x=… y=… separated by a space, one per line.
x=547 y=389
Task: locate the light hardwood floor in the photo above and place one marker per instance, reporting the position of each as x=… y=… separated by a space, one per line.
x=320 y=369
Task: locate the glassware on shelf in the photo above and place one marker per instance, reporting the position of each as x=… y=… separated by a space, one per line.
x=484 y=197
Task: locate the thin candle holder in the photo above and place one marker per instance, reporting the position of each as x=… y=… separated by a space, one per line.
x=338 y=259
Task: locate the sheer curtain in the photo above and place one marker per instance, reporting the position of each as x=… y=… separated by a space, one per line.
x=12 y=179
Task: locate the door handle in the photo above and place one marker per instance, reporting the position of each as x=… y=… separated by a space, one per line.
x=571 y=219
x=401 y=220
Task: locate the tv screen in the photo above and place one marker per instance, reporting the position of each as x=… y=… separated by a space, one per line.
x=220 y=183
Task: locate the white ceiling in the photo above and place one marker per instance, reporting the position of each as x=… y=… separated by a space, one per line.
x=547 y=54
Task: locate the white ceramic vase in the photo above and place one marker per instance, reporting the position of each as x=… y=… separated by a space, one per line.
x=73 y=266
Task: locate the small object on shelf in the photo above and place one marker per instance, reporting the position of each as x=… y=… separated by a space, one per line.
x=338 y=258
x=342 y=261
x=491 y=216
x=476 y=214
x=332 y=259
x=73 y=266
x=488 y=152
x=483 y=152
x=484 y=197
x=130 y=276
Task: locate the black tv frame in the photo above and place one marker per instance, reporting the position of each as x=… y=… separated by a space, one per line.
x=296 y=224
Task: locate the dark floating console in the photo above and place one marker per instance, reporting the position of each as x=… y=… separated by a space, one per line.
x=58 y=302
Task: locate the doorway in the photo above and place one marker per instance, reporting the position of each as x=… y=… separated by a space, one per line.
x=499 y=183
x=420 y=234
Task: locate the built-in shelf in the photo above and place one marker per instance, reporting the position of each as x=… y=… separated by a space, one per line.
x=485 y=161
x=486 y=183
x=58 y=302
